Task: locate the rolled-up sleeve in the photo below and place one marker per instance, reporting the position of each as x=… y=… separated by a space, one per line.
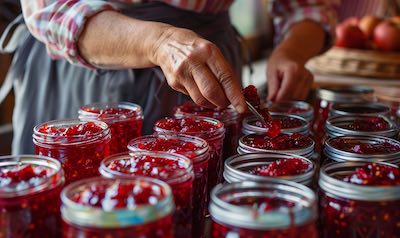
x=288 y=12
x=58 y=24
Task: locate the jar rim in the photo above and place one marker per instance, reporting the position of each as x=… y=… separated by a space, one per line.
x=56 y=178
x=300 y=104
x=338 y=188
x=244 y=217
x=338 y=109
x=46 y=139
x=136 y=111
x=201 y=154
x=84 y=215
x=247 y=127
x=184 y=175
x=333 y=128
x=345 y=93
x=225 y=115
x=233 y=167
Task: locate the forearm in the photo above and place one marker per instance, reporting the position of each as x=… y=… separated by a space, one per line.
x=112 y=40
x=305 y=39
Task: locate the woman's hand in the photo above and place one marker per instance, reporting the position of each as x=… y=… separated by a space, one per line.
x=196 y=67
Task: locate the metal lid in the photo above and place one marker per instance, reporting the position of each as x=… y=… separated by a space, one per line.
x=248 y=216
x=365 y=108
x=334 y=126
x=345 y=93
x=248 y=126
x=236 y=167
x=329 y=182
x=88 y=216
x=136 y=112
x=285 y=106
x=340 y=155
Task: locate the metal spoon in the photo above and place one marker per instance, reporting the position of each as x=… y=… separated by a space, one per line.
x=256 y=113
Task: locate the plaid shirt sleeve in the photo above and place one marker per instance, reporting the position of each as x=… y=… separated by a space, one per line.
x=58 y=24
x=288 y=12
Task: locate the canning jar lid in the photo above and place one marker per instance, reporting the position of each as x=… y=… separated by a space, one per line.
x=337 y=154
x=135 y=112
x=345 y=93
x=284 y=106
x=248 y=216
x=365 y=108
x=334 y=126
x=248 y=125
x=236 y=167
x=54 y=179
x=89 y=216
x=329 y=182
x=197 y=156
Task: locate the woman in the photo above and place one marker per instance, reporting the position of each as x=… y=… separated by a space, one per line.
x=123 y=50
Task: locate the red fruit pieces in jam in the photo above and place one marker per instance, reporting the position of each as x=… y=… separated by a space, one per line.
x=375 y=175
x=110 y=111
x=23 y=176
x=251 y=95
x=368 y=124
x=169 y=145
x=161 y=168
x=187 y=125
x=359 y=147
x=284 y=122
x=81 y=129
x=281 y=142
x=283 y=167
x=262 y=204
x=193 y=109
x=118 y=195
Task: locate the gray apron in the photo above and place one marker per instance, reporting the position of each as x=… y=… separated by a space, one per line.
x=47 y=89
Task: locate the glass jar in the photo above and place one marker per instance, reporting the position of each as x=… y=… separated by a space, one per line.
x=124 y=119
x=360 y=125
x=350 y=210
x=174 y=169
x=209 y=129
x=194 y=148
x=276 y=208
x=260 y=167
x=298 y=108
x=231 y=119
x=297 y=144
x=79 y=146
x=355 y=109
x=362 y=149
x=328 y=96
x=118 y=208
x=30 y=189
x=289 y=124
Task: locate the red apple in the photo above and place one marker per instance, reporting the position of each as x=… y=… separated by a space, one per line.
x=350 y=36
x=367 y=25
x=353 y=21
x=395 y=19
x=387 y=36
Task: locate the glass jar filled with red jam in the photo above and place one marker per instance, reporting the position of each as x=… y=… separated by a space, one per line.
x=174 y=169
x=293 y=144
x=328 y=96
x=194 y=148
x=355 y=109
x=362 y=149
x=78 y=145
x=361 y=125
x=209 y=129
x=118 y=208
x=359 y=200
x=276 y=208
x=124 y=119
x=289 y=124
x=231 y=119
x=298 y=108
x=30 y=189
x=260 y=167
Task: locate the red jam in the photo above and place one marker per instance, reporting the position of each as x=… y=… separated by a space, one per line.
x=116 y=197
x=186 y=125
x=31 y=208
x=367 y=124
x=281 y=142
x=171 y=145
x=285 y=122
x=174 y=172
x=360 y=109
x=79 y=146
x=125 y=124
x=373 y=174
x=360 y=147
x=283 y=167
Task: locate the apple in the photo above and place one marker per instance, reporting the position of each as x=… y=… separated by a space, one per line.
x=387 y=36
x=395 y=19
x=350 y=36
x=353 y=21
x=367 y=25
